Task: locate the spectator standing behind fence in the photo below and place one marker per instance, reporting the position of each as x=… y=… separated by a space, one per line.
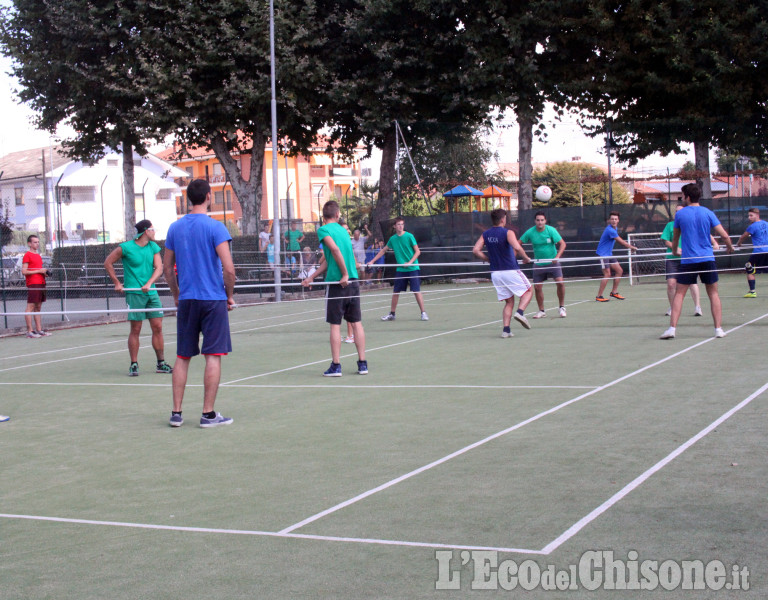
x=607 y=262
x=199 y=246
x=142 y=266
x=758 y=260
x=548 y=247
x=35 y=274
x=264 y=238
x=271 y=252
x=358 y=244
x=293 y=239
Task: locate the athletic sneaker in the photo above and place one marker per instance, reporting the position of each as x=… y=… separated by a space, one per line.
x=669 y=334
x=719 y=333
x=133 y=370
x=669 y=313
x=424 y=317
x=219 y=419
x=522 y=320
x=43 y=333
x=697 y=312
x=3 y=418
x=750 y=294
x=389 y=317
x=333 y=371
x=507 y=334
x=33 y=334
x=362 y=367
x=163 y=367
x=617 y=296
x=175 y=421
x=601 y=299
x=540 y=315
x=563 y=314
x=350 y=339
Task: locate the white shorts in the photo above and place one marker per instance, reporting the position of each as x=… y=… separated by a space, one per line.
x=510 y=283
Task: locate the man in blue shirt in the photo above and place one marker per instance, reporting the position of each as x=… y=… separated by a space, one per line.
x=607 y=262
x=758 y=260
x=199 y=247
x=506 y=275
x=694 y=224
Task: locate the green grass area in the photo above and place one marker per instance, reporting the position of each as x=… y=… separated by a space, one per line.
x=586 y=404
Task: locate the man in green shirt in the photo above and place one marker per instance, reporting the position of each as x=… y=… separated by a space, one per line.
x=672 y=267
x=343 y=291
x=142 y=266
x=293 y=239
x=406 y=255
x=547 y=244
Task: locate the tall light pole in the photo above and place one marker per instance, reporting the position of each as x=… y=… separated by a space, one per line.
x=275 y=194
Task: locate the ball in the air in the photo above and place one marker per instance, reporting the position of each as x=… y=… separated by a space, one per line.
x=543 y=193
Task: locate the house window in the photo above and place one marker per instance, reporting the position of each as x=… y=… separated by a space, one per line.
x=365 y=172
x=19 y=193
x=65 y=195
x=229 y=199
x=216 y=168
x=218 y=198
x=191 y=171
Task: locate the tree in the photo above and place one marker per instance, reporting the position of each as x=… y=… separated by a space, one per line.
x=404 y=60
x=575 y=183
x=665 y=73
x=729 y=161
x=76 y=62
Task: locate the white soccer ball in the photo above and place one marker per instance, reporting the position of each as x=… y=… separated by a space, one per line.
x=543 y=193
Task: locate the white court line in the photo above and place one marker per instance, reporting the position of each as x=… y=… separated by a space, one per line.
x=317 y=385
x=496 y=435
x=303 y=536
x=635 y=483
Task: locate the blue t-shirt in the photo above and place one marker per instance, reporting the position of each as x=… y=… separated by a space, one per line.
x=695 y=224
x=759 y=232
x=500 y=252
x=193 y=239
x=605 y=246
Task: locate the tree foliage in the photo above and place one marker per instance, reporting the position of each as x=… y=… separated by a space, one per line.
x=573 y=182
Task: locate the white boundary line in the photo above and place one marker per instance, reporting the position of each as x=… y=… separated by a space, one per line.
x=492 y=437
x=635 y=483
x=326 y=538
x=313 y=385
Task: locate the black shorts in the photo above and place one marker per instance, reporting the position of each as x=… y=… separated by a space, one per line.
x=760 y=262
x=343 y=303
x=672 y=267
x=690 y=272
x=541 y=274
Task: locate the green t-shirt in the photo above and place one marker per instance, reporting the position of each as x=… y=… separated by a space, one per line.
x=341 y=238
x=543 y=242
x=402 y=246
x=293 y=235
x=667 y=234
x=138 y=263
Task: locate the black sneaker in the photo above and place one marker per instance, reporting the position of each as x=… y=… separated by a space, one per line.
x=362 y=367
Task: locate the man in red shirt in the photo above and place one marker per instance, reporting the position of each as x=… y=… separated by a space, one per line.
x=35 y=274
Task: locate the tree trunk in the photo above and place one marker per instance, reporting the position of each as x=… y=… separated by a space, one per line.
x=128 y=190
x=383 y=208
x=525 y=142
x=701 y=156
x=248 y=192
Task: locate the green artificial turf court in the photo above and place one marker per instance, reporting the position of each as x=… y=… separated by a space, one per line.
x=584 y=433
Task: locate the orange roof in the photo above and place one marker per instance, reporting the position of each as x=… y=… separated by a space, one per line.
x=493 y=191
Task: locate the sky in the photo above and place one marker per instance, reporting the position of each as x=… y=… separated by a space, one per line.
x=564 y=142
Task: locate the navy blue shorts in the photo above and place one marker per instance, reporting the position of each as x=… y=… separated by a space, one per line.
x=343 y=302
x=690 y=272
x=760 y=262
x=209 y=317
x=405 y=278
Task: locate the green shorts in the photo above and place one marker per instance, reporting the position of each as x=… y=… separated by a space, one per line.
x=139 y=300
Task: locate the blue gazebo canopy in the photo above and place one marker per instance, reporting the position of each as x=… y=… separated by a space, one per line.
x=462 y=190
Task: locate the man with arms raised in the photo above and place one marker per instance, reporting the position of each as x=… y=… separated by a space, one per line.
x=199 y=247
x=506 y=275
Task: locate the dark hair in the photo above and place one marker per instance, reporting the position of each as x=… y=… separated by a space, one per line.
x=197 y=191
x=541 y=212
x=497 y=215
x=754 y=210
x=30 y=237
x=399 y=219
x=614 y=213
x=692 y=190
x=331 y=209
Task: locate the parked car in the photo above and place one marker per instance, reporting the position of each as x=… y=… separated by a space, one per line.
x=12 y=274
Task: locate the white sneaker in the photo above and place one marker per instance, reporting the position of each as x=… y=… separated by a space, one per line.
x=424 y=317
x=719 y=333
x=540 y=315
x=697 y=312
x=3 y=418
x=349 y=339
x=563 y=314
x=507 y=334
x=669 y=334
x=389 y=317
x=668 y=313
x=522 y=320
